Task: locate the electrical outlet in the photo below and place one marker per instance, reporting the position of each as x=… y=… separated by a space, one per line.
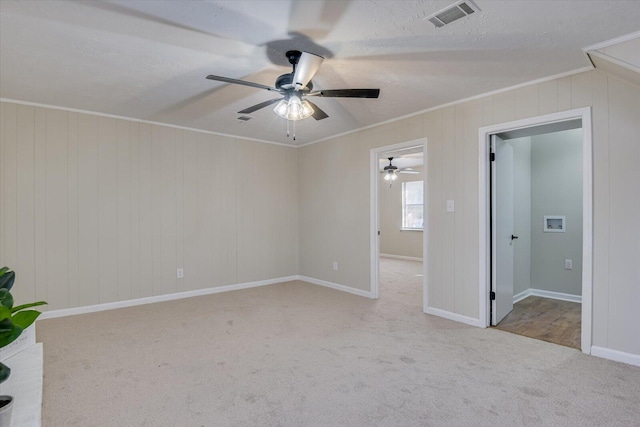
x=180 y=273
x=568 y=264
x=335 y=265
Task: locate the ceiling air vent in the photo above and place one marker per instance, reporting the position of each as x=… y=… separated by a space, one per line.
x=453 y=13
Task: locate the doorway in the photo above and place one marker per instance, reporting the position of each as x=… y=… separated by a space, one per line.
x=398 y=222
x=536 y=236
x=536 y=214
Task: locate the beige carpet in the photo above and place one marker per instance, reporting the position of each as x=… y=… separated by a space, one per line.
x=296 y=354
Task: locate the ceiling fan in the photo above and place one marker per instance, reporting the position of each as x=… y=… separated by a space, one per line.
x=294 y=87
x=391 y=172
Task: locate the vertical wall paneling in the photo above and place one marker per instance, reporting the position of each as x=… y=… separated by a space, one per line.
x=88 y=211
x=147 y=212
x=25 y=290
x=135 y=196
x=526 y=102
x=156 y=209
x=40 y=205
x=601 y=202
x=57 y=233
x=448 y=183
x=108 y=209
x=179 y=161
x=190 y=208
x=624 y=221
x=246 y=216
x=206 y=200
x=548 y=97
x=9 y=202
x=581 y=90
x=504 y=107
x=436 y=208
x=72 y=209
x=459 y=235
x=122 y=275
x=168 y=207
x=96 y=210
x=564 y=93
x=473 y=114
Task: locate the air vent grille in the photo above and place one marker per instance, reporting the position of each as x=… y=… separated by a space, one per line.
x=453 y=13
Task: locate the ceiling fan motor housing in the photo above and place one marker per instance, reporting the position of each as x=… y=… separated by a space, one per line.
x=285 y=82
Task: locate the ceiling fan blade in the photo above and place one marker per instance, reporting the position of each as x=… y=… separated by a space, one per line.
x=318 y=114
x=241 y=82
x=259 y=106
x=411 y=172
x=306 y=68
x=347 y=93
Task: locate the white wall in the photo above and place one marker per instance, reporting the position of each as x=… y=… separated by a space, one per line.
x=393 y=240
x=96 y=210
x=556 y=189
x=334 y=202
x=521 y=213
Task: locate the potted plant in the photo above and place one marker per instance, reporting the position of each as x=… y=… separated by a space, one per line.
x=13 y=320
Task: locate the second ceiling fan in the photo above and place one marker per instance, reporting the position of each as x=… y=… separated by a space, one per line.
x=295 y=87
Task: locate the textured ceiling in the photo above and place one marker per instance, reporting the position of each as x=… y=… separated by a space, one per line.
x=148 y=59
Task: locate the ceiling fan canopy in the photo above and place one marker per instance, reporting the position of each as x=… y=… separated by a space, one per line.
x=295 y=87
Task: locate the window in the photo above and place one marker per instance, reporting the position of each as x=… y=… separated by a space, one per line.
x=412 y=206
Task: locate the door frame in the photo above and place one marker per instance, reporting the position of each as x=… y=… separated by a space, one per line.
x=374 y=167
x=484 y=265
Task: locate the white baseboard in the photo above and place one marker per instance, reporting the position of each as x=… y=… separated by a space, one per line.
x=454 y=316
x=618 y=356
x=160 y=298
x=406 y=258
x=336 y=286
x=546 y=294
x=522 y=295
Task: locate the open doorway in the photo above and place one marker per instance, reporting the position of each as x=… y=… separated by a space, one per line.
x=398 y=219
x=537 y=227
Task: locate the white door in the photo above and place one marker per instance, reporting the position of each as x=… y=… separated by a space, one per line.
x=502 y=229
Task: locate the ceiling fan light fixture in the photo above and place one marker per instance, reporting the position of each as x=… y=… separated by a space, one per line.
x=390 y=175
x=281 y=109
x=293 y=109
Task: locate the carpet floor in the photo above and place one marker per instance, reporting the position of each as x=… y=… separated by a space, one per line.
x=296 y=354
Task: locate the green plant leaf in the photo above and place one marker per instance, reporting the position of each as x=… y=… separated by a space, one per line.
x=5 y=314
x=6 y=299
x=7 y=338
x=25 y=318
x=5 y=371
x=23 y=306
x=7 y=279
x=3 y=270
x=6 y=325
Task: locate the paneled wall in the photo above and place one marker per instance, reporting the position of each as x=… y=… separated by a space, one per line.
x=96 y=209
x=334 y=197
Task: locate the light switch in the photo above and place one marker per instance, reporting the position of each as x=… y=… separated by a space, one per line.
x=451 y=206
x=568 y=264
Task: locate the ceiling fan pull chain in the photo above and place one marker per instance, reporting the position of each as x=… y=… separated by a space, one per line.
x=287 y=128
x=294 y=130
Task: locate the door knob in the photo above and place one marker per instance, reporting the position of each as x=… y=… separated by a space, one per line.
x=513 y=237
